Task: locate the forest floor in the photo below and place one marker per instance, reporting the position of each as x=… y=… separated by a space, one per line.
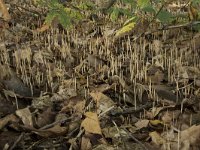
x=85 y=88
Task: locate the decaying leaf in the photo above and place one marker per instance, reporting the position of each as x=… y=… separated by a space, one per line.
x=75 y=104
x=156 y=138
x=4 y=11
x=9 y=118
x=103 y=102
x=91 y=123
x=56 y=130
x=43 y=28
x=142 y=124
x=127 y=28
x=25 y=116
x=45 y=118
x=85 y=143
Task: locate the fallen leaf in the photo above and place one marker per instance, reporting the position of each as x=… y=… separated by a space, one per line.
x=75 y=104
x=156 y=138
x=85 y=143
x=7 y=138
x=103 y=102
x=9 y=118
x=91 y=123
x=45 y=118
x=56 y=130
x=25 y=116
x=43 y=28
x=142 y=124
x=3 y=9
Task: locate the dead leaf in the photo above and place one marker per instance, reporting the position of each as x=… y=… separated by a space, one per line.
x=75 y=104
x=7 y=139
x=85 y=143
x=57 y=130
x=26 y=116
x=142 y=124
x=3 y=9
x=91 y=123
x=46 y=117
x=156 y=138
x=103 y=102
x=111 y=132
x=6 y=107
x=43 y=28
x=191 y=136
x=9 y=118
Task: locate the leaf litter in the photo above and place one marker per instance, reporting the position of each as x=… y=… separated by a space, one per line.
x=96 y=86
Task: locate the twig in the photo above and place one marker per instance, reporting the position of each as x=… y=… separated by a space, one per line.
x=17 y=141
x=107 y=110
x=28 y=10
x=136 y=140
x=79 y=135
x=132 y=110
x=56 y=122
x=173 y=27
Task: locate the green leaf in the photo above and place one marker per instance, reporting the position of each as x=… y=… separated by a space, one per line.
x=50 y=16
x=128 y=1
x=195 y=2
x=143 y=3
x=149 y=9
x=114 y=14
x=64 y=19
x=165 y=16
x=126 y=12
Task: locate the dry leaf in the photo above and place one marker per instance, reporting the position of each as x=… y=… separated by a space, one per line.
x=156 y=138
x=142 y=124
x=26 y=116
x=103 y=102
x=191 y=135
x=43 y=28
x=3 y=9
x=57 y=130
x=75 y=104
x=4 y=121
x=91 y=123
x=85 y=143
x=46 y=117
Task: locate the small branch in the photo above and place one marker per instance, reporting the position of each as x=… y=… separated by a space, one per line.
x=173 y=27
x=17 y=141
x=135 y=139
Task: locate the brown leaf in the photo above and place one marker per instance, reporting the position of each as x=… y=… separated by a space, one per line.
x=25 y=116
x=156 y=138
x=75 y=104
x=3 y=9
x=4 y=121
x=7 y=139
x=91 y=123
x=103 y=102
x=142 y=124
x=57 y=130
x=85 y=143
x=46 y=117
x=43 y=28
x=191 y=135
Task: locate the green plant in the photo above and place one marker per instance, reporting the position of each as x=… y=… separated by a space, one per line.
x=57 y=11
